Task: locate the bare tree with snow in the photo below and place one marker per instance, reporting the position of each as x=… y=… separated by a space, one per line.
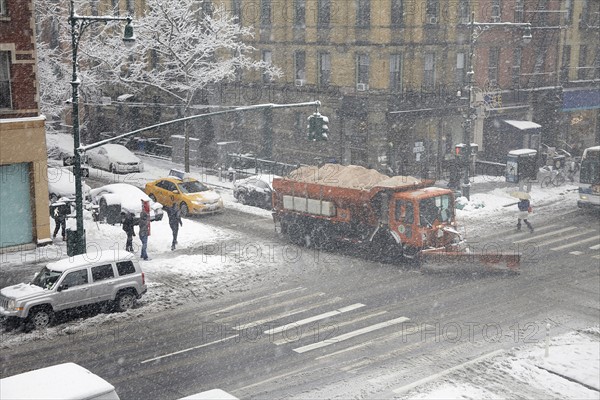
x=182 y=47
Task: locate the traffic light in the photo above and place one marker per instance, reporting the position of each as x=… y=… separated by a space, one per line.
x=318 y=127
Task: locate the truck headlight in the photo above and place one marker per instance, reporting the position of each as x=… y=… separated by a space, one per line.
x=583 y=197
x=12 y=303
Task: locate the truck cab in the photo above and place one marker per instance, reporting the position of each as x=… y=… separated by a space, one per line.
x=421 y=218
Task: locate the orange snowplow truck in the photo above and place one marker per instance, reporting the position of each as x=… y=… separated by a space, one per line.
x=401 y=215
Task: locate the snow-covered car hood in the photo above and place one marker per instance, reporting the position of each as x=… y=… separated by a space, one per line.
x=61 y=182
x=127 y=195
x=119 y=153
x=21 y=291
x=209 y=196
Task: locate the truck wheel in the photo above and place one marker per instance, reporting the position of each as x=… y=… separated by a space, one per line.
x=124 y=301
x=384 y=247
x=319 y=238
x=297 y=234
x=41 y=317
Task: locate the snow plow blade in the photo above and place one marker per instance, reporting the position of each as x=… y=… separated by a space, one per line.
x=444 y=259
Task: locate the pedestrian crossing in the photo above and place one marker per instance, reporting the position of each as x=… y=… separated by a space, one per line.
x=303 y=323
x=574 y=240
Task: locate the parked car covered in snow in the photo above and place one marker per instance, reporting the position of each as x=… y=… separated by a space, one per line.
x=111 y=200
x=255 y=191
x=115 y=158
x=61 y=183
x=192 y=196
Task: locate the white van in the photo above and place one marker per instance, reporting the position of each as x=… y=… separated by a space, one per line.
x=67 y=381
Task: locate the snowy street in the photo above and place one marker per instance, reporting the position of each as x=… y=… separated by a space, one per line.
x=294 y=322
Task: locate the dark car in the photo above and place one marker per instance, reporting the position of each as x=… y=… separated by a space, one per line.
x=254 y=191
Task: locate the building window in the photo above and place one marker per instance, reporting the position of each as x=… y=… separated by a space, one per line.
x=3 y=8
x=464 y=16
x=300 y=67
x=496 y=11
x=115 y=7
x=582 y=70
x=494 y=58
x=324 y=69
x=265 y=13
x=5 y=89
x=569 y=10
x=519 y=11
x=207 y=8
x=566 y=61
x=130 y=7
x=363 y=13
x=460 y=69
x=324 y=13
x=397 y=12
x=362 y=70
x=432 y=11
x=300 y=13
x=429 y=71
x=236 y=11
x=542 y=13
x=516 y=69
x=267 y=59
x=597 y=63
x=396 y=72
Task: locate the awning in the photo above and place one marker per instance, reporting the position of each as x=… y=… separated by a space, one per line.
x=522 y=125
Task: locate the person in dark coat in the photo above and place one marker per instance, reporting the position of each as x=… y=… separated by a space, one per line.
x=174 y=222
x=60 y=218
x=524 y=210
x=144 y=231
x=128 y=225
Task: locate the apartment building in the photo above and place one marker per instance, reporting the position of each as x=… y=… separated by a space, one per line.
x=389 y=73
x=24 y=213
x=392 y=76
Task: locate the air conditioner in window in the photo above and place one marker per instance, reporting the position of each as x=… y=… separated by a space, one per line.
x=432 y=19
x=361 y=87
x=300 y=82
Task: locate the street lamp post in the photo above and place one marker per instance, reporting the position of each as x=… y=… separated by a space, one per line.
x=78 y=25
x=475 y=29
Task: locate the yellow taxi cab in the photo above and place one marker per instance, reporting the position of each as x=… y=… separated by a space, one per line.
x=192 y=196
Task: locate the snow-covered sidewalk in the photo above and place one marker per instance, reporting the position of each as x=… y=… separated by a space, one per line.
x=570 y=371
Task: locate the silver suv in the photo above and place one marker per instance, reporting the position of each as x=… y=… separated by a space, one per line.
x=74 y=282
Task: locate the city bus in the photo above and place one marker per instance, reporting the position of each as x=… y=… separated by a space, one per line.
x=589 y=178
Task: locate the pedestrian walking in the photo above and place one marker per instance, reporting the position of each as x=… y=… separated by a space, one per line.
x=128 y=225
x=144 y=231
x=174 y=222
x=60 y=211
x=524 y=211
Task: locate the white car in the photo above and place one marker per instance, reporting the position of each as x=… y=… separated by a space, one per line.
x=114 y=158
x=127 y=197
x=61 y=183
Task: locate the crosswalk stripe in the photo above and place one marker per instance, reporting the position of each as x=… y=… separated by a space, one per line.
x=596 y=256
x=350 y=335
x=538 y=237
x=286 y=314
x=563 y=238
x=326 y=329
x=258 y=299
x=565 y=246
x=576 y=253
x=313 y=319
x=513 y=231
x=595 y=247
